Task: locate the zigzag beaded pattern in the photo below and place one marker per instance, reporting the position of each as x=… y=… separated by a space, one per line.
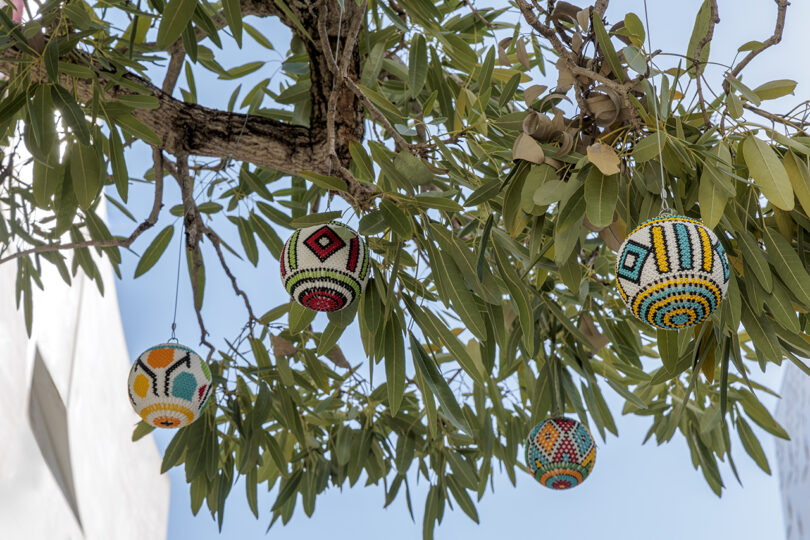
x=672 y=272
x=325 y=267
x=560 y=453
x=169 y=385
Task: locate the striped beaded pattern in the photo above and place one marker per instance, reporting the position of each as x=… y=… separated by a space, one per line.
x=169 y=385
x=560 y=453
x=672 y=272
x=325 y=267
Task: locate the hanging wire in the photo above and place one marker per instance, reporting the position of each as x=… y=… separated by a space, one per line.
x=665 y=208
x=177 y=290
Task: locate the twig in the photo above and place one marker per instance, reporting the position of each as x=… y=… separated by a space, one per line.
x=121 y=242
x=705 y=40
x=775 y=117
x=600 y=7
x=477 y=14
x=782 y=6
x=239 y=292
x=192 y=224
x=173 y=71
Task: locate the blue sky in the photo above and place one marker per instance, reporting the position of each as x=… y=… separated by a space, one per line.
x=634 y=492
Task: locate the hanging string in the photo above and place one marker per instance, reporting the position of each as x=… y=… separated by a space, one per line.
x=176 y=290
x=665 y=208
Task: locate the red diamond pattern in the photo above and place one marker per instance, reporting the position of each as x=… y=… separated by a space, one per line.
x=324 y=242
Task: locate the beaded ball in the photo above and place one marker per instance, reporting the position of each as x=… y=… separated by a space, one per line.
x=325 y=267
x=169 y=385
x=560 y=453
x=672 y=272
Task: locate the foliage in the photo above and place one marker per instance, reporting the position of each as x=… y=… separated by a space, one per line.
x=493 y=208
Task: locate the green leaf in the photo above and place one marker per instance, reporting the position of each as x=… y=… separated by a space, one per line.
x=799 y=176
x=394 y=363
x=483 y=193
x=768 y=172
x=775 y=89
x=142 y=429
x=315 y=219
x=754 y=259
x=138 y=101
x=266 y=234
x=40 y=111
x=668 y=349
x=47 y=176
x=86 y=172
x=176 y=16
x=71 y=112
x=138 y=129
x=699 y=31
x=762 y=335
x=438 y=386
x=232 y=9
x=246 y=238
x=417 y=65
x=300 y=317
x=711 y=197
x=635 y=28
x=787 y=264
x=462 y=498
x=397 y=219
x=601 y=194
x=241 y=71
x=751 y=445
x=119 y=164
x=757 y=412
x=152 y=253
x=361 y=159
x=517 y=291
x=605 y=45
x=329 y=183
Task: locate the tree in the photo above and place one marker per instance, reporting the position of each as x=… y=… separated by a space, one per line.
x=492 y=301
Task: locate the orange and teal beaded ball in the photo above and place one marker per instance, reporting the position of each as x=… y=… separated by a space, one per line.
x=672 y=272
x=560 y=453
x=169 y=385
x=325 y=267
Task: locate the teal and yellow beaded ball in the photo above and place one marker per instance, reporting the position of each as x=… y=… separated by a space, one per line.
x=672 y=272
x=169 y=385
x=560 y=453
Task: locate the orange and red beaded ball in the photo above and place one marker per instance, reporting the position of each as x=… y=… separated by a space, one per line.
x=169 y=385
x=560 y=453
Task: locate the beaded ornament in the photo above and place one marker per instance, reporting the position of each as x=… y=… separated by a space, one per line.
x=560 y=453
x=325 y=267
x=672 y=272
x=169 y=385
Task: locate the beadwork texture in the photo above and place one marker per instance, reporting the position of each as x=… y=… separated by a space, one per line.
x=325 y=267
x=169 y=385
x=560 y=453
x=672 y=272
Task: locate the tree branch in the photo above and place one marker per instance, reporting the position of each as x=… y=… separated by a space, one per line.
x=705 y=40
x=119 y=243
x=239 y=292
x=193 y=226
x=781 y=11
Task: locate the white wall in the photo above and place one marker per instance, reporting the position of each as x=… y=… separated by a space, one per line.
x=119 y=492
